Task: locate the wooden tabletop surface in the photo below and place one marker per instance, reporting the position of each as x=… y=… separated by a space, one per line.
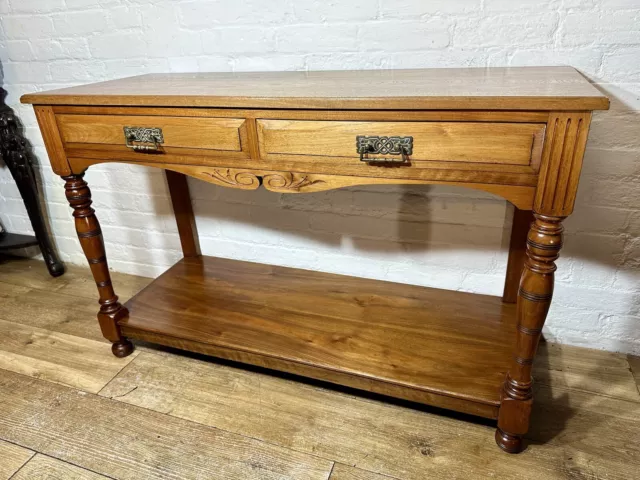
x=514 y=88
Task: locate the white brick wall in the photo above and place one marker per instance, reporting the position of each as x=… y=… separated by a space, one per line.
x=435 y=236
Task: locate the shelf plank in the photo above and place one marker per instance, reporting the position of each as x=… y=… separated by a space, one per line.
x=444 y=348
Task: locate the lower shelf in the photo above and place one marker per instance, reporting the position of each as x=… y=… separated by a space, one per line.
x=443 y=348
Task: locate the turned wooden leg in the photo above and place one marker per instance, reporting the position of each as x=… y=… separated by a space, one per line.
x=90 y=236
x=534 y=297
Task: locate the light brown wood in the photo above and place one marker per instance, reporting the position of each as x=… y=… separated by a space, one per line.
x=299 y=321
x=561 y=163
x=475 y=142
x=25 y=274
x=183 y=211
x=57 y=357
x=41 y=467
x=322 y=115
x=114 y=439
x=52 y=140
x=584 y=370
x=12 y=457
x=580 y=428
x=345 y=472
x=518 y=133
x=179 y=132
x=514 y=88
x=302 y=182
x=401 y=442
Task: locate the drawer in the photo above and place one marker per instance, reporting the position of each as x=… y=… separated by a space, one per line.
x=471 y=142
x=178 y=134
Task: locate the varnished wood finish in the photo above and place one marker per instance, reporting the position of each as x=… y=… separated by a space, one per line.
x=514 y=88
x=90 y=236
x=562 y=163
x=519 y=133
x=534 y=298
x=517 y=253
x=183 y=211
x=52 y=140
x=474 y=142
x=332 y=327
x=585 y=422
x=179 y=132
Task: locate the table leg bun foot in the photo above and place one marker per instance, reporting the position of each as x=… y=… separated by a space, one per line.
x=122 y=348
x=509 y=443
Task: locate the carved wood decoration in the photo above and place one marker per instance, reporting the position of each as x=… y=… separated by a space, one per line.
x=517 y=133
x=561 y=163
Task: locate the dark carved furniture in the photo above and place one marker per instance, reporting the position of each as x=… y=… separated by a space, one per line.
x=14 y=153
x=519 y=133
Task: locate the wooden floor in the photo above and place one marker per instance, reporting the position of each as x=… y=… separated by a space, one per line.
x=70 y=410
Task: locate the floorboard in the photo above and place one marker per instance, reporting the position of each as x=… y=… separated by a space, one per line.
x=42 y=467
x=345 y=472
x=380 y=437
x=125 y=442
x=170 y=416
x=12 y=457
x=58 y=357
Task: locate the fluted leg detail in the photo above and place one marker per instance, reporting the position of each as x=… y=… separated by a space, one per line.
x=90 y=236
x=534 y=298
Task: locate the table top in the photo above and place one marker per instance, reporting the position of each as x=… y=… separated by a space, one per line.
x=512 y=88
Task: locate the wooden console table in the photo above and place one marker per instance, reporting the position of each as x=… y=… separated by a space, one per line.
x=519 y=133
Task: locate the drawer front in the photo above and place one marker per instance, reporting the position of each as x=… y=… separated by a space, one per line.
x=199 y=133
x=475 y=142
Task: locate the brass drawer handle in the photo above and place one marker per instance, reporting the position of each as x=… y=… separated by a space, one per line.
x=143 y=135
x=402 y=146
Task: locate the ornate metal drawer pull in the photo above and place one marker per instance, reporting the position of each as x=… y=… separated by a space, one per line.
x=143 y=135
x=402 y=146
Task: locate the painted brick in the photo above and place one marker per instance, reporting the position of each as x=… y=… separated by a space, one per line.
x=81 y=23
x=332 y=38
x=413 y=9
x=239 y=40
x=27 y=26
x=317 y=11
x=37 y=6
x=400 y=36
x=514 y=29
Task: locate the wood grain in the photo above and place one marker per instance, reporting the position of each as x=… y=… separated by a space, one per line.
x=57 y=357
x=345 y=472
x=203 y=133
x=117 y=440
x=52 y=140
x=562 y=163
x=302 y=182
x=580 y=429
x=41 y=467
x=585 y=370
x=390 y=439
x=334 y=327
x=183 y=211
x=513 y=88
x=26 y=273
x=504 y=143
x=12 y=457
